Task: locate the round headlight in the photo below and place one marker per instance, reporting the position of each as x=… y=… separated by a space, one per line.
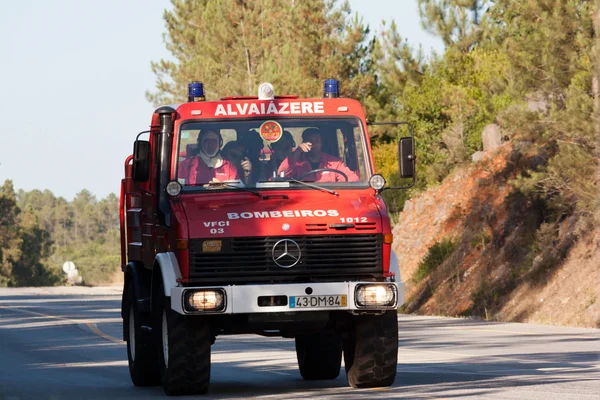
x=173 y=188
x=377 y=182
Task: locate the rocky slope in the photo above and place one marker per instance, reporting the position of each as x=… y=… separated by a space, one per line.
x=507 y=261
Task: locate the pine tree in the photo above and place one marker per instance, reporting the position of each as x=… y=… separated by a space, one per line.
x=234 y=45
x=84 y=224
x=395 y=65
x=9 y=232
x=550 y=46
x=35 y=247
x=549 y=42
x=456 y=22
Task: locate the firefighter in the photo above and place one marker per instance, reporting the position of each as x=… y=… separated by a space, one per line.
x=280 y=150
x=235 y=152
x=309 y=156
x=251 y=166
x=208 y=165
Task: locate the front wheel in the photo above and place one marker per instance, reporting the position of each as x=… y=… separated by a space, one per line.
x=371 y=350
x=142 y=353
x=184 y=350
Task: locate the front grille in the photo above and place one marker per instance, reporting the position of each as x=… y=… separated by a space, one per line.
x=324 y=258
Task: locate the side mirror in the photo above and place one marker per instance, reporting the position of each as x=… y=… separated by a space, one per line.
x=141 y=161
x=406 y=157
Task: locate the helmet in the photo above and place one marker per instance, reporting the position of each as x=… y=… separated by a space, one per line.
x=233 y=151
x=287 y=135
x=252 y=142
x=206 y=135
x=251 y=139
x=310 y=131
x=207 y=131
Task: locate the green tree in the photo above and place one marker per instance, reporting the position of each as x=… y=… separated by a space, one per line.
x=233 y=45
x=52 y=230
x=448 y=101
x=30 y=269
x=24 y=243
x=456 y=22
x=43 y=204
x=550 y=47
x=395 y=65
x=83 y=212
x=88 y=236
x=549 y=42
x=9 y=232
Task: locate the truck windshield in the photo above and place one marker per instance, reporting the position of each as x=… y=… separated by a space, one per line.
x=268 y=153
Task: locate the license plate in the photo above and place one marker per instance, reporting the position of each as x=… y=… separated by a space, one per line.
x=336 y=300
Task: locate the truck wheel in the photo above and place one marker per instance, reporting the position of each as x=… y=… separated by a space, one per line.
x=142 y=353
x=371 y=350
x=184 y=351
x=319 y=355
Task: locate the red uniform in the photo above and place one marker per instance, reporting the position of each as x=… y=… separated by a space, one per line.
x=195 y=171
x=295 y=169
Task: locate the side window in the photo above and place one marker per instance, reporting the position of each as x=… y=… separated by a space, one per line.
x=341 y=154
x=358 y=150
x=347 y=141
x=187 y=147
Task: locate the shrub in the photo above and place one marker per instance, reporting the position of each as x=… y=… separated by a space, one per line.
x=438 y=253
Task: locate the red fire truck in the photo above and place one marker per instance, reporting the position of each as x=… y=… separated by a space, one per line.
x=259 y=215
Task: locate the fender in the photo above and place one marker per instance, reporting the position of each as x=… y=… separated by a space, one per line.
x=395 y=268
x=140 y=277
x=169 y=270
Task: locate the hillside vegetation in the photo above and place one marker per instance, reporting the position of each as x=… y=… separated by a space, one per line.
x=40 y=232
x=474 y=246
x=531 y=67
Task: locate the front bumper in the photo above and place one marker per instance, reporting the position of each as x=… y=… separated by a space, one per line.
x=243 y=299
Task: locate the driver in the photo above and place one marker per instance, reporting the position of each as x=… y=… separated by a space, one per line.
x=208 y=165
x=309 y=156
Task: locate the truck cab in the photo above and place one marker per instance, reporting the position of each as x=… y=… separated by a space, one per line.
x=259 y=215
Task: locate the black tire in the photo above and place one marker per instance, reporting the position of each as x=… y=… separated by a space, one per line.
x=371 y=351
x=319 y=355
x=186 y=370
x=142 y=353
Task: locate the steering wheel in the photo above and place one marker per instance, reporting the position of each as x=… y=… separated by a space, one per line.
x=314 y=171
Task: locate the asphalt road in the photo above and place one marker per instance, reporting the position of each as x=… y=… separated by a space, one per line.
x=64 y=343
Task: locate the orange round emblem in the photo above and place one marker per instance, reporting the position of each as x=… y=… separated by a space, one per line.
x=270 y=131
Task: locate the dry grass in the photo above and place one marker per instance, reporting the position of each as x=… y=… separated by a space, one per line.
x=570 y=295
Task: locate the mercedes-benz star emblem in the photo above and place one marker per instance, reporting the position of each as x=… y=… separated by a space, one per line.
x=286 y=253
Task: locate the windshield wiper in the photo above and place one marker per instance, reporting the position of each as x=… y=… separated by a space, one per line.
x=232 y=186
x=311 y=185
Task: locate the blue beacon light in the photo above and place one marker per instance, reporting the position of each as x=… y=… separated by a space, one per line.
x=196 y=91
x=331 y=89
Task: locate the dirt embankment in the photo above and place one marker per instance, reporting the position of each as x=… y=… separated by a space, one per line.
x=508 y=262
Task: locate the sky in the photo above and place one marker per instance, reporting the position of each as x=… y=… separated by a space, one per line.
x=73 y=77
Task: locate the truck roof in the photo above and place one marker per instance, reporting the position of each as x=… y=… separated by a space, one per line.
x=285 y=106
